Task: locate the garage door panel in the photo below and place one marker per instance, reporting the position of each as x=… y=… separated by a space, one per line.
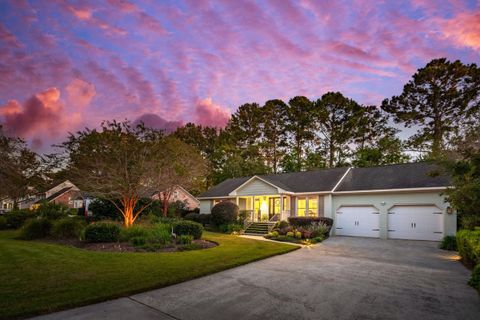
x=358 y=221
x=415 y=223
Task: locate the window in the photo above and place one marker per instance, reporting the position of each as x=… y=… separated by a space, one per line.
x=175 y=194
x=301 y=206
x=312 y=206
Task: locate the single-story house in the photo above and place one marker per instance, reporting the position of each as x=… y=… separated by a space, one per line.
x=402 y=201
x=63 y=193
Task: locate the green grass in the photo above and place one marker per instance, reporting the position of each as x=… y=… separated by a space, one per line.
x=38 y=277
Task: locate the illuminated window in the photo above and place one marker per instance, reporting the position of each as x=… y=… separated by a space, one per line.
x=286 y=204
x=312 y=206
x=301 y=206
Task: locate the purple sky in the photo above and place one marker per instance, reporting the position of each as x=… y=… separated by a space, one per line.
x=66 y=65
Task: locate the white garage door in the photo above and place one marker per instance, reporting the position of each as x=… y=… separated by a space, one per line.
x=415 y=223
x=358 y=221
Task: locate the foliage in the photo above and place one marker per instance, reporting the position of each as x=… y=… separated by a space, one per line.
x=468 y=244
x=161 y=233
x=3 y=223
x=231 y=228
x=308 y=221
x=36 y=229
x=138 y=241
x=188 y=228
x=105 y=276
x=185 y=239
x=52 y=211
x=448 y=243
x=134 y=231
x=290 y=234
x=103 y=210
x=441 y=98
x=20 y=170
x=470 y=222
x=475 y=279
x=67 y=228
x=386 y=150
x=15 y=219
x=224 y=212
x=281 y=224
x=298 y=235
x=320 y=230
x=204 y=219
x=102 y=232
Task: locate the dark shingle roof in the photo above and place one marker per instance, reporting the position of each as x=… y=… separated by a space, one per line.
x=57 y=194
x=399 y=176
x=308 y=181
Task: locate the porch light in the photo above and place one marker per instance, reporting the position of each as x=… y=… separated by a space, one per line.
x=449 y=210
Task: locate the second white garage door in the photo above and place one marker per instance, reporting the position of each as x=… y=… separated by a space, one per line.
x=415 y=223
x=361 y=221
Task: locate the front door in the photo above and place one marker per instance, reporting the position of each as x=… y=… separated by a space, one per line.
x=273 y=207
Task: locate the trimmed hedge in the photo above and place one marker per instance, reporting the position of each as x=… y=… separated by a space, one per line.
x=67 y=228
x=204 y=219
x=36 y=229
x=3 y=223
x=448 y=243
x=475 y=279
x=307 y=221
x=102 y=232
x=224 y=212
x=191 y=228
x=468 y=244
x=16 y=219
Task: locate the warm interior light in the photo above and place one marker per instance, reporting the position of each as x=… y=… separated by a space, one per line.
x=264 y=209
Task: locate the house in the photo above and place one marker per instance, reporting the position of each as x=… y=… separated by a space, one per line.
x=182 y=195
x=64 y=193
x=6 y=205
x=403 y=201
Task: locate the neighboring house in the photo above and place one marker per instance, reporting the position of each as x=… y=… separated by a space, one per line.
x=6 y=205
x=64 y=193
x=403 y=201
x=180 y=194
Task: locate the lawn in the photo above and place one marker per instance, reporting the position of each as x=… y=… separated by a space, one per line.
x=37 y=277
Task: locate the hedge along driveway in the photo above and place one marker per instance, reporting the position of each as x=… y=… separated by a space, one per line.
x=38 y=277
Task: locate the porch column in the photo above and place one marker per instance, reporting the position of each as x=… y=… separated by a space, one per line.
x=281 y=207
x=236 y=201
x=254 y=214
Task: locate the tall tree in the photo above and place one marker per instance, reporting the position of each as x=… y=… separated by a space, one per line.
x=441 y=98
x=299 y=127
x=273 y=116
x=116 y=163
x=20 y=170
x=337 y=119
x=178 y=164
x=385 y=150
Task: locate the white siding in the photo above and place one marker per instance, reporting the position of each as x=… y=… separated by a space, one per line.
x=205 y=206
x=257 y=187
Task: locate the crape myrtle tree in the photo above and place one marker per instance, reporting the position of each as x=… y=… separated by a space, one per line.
x=176 y=164
x=115 y=163
x=20 y=168
x=440 y=100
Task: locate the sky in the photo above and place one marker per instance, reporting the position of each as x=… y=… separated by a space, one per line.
x=67 y=65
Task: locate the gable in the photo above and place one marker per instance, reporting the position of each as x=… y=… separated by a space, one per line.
x=256 y=187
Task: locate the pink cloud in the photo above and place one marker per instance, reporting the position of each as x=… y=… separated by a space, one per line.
x=156 y=122
x=463 y=29
x=80 y=93
x=209 y=114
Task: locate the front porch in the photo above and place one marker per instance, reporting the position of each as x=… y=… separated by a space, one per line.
x=265 y=208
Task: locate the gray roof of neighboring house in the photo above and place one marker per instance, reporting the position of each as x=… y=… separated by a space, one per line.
x=307 y=181
x=398 y=176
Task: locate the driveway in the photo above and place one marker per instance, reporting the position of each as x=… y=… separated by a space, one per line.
x=342 y=278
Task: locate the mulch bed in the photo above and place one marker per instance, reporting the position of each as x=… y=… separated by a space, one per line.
x=127 y=247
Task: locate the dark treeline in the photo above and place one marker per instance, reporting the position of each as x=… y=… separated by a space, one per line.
x=441 y=102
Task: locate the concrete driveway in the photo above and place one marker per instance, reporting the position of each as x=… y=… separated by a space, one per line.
x=342 y=278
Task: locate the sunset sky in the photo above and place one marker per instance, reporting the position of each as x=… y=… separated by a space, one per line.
x=69 y=64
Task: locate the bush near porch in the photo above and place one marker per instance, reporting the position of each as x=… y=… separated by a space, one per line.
x=306 y=230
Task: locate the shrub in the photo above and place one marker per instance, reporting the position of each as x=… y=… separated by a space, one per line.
x=448 y=243
x=319 y=230
x=284 y=231
x=126 y=234
x=3 y=223
x=281 y=224
x=103 y=210
x=469 y=222
x=16 y=219
x=307 y=221
x=475 y=279
x=102 y=232
x=204 y=219
x=161 y=233
x=290 y=234
x=67 y=228
x=468 y=244
x=224 y=212
x=188 y=228
x=52 y=211
x=185 y=239
x=317 y=239
x=274 y=234
x=230 y=228
x=36 y=229
x=138 y=241
x=298 y=235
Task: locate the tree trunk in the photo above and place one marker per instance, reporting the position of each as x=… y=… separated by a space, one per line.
x=128 y=214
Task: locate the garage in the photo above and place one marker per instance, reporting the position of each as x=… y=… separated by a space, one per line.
x=415 y=223
x=360 y=221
